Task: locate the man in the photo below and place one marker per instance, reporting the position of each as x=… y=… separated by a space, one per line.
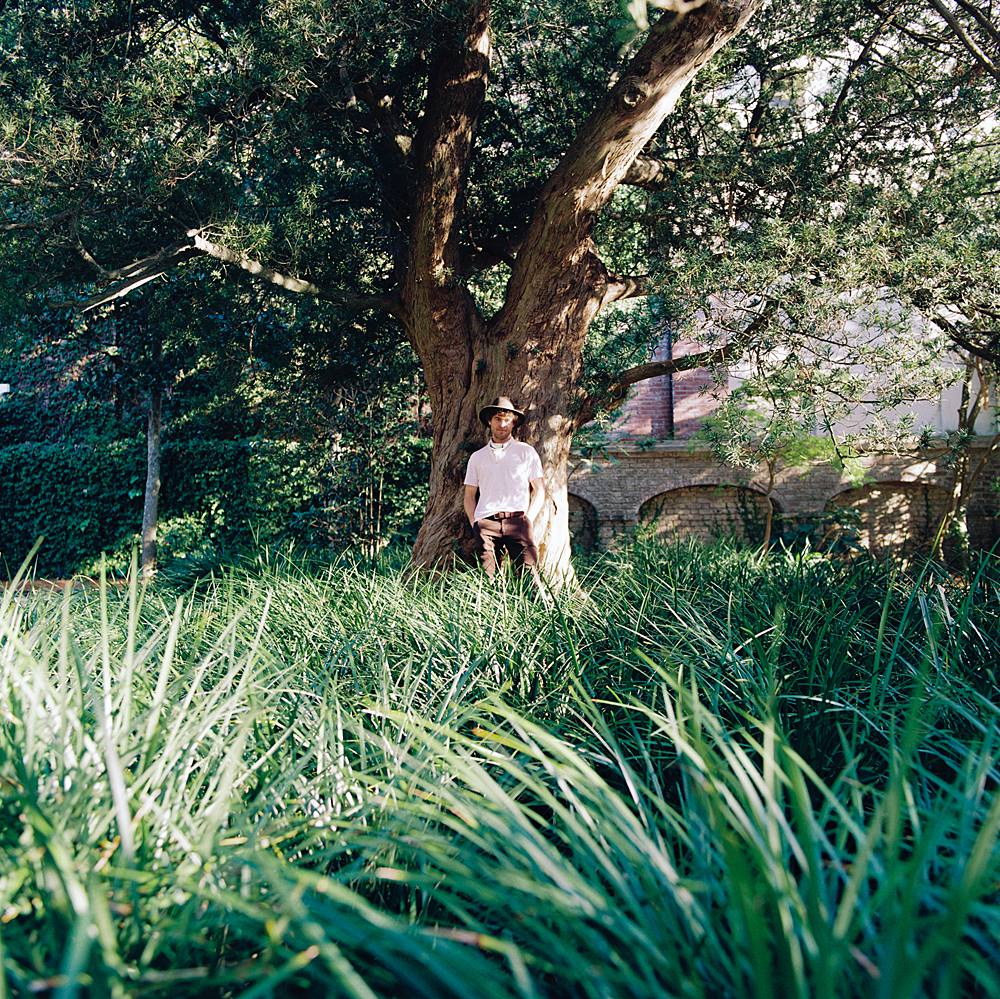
x=507 y=476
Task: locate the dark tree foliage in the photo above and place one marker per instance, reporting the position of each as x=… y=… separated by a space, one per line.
x=490 y=177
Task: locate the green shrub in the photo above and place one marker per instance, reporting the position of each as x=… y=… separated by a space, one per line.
x=86 y=499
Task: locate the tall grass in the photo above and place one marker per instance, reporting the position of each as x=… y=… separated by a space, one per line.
x=711 y=776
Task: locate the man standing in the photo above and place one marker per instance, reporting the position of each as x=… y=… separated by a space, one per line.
x=507 y=475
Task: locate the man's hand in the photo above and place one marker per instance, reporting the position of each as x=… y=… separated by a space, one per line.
x=469 y=503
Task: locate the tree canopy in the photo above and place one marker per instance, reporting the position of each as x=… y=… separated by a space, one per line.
x=498 y=177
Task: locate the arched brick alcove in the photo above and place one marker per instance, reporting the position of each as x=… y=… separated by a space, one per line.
x=583 y=527
x=707 y=512
x=893 y=518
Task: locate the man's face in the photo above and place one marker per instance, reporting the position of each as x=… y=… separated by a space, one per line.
x=502 y=425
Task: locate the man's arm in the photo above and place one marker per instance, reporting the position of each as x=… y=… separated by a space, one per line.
x=537 y=487
x=470 y=503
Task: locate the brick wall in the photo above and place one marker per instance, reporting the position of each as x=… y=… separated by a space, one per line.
x=707 y=512
x=683 y=491
x=583 y=524
x=693 y=401
x=646 y=413
x=894 y=517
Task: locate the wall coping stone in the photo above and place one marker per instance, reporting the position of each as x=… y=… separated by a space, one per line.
x=633 y=449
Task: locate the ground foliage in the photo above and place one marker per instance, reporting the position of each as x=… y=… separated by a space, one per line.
x=711 y=775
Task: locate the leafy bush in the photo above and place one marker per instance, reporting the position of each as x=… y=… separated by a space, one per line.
x=86 y=499
x=217 y=497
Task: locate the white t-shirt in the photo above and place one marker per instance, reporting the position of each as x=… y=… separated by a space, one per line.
x=502 y=477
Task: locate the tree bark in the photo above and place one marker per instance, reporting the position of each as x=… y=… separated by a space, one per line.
x=954 y=523
x=532 y=349
x=769 y=496
x=543 y=386
x=151 y=497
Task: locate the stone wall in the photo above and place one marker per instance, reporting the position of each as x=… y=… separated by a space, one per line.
x=706 y=512
x=682 y=491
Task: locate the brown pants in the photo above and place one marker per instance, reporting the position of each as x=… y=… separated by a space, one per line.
x=510 y=533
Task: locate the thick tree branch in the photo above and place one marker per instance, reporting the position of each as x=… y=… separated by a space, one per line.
x=855 y=69
x=38 y=224
x=391 y=153
x=613 y=395
x=133 y=276
x=604 y=151
x=256 y=269
x=456 y=90
x=289 y=282
x=970 y=44
x=622 y=286
x=127 y=279
x=650 y=173
x=390 y=125
x=987 y=351
x=435 y=301
x=982 y=19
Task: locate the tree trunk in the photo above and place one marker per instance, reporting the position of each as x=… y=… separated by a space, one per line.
x=151 y=498
x=459 y=386
x=954 y=524
x=950 y=526
x=958 y=532
x=532 y=349
x=769 y=523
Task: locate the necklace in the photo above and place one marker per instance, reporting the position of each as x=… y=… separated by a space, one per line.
x=499 y=447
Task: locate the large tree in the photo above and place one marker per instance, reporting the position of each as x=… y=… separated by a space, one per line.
x=459 y=167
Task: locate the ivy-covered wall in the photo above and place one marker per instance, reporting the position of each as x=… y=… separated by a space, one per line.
x=216 y=494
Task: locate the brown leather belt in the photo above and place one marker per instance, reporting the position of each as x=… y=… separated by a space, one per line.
x=504 y=514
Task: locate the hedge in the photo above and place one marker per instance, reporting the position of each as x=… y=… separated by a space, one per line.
x=87 y=498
